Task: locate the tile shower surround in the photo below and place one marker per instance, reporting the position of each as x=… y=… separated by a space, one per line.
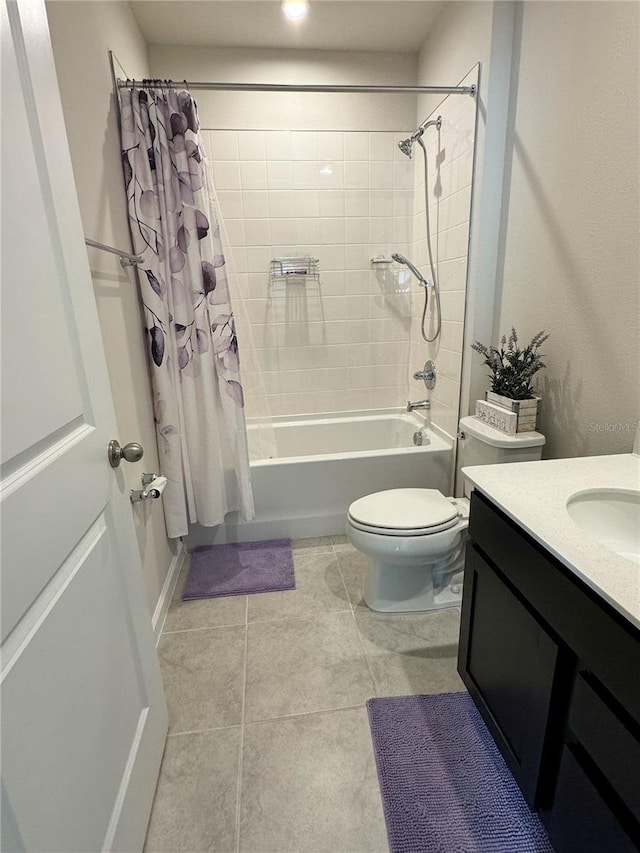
x=342 y=197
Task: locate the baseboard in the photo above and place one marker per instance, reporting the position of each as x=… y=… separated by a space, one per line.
x=160 y=613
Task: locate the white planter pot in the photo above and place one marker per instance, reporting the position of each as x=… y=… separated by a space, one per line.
x=526 y=410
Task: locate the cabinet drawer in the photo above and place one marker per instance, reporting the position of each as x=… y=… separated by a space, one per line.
x=608 y=741
x=581 y=821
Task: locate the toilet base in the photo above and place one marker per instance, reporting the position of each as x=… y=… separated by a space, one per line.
x=391 y=588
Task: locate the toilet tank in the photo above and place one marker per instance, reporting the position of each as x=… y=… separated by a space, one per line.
x=483 y=445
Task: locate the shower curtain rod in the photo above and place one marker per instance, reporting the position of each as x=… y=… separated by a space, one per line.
x=126 y=258
x=297 y=87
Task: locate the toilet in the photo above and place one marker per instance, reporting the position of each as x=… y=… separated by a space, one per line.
x=415 y=538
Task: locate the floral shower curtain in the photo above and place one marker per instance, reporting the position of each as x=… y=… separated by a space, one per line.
x=190 y=327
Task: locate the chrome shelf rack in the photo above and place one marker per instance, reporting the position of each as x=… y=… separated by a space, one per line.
x=301 y=269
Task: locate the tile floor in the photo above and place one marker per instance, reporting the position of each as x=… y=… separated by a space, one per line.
x=269 y=748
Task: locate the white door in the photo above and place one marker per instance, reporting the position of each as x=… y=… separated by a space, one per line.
x=83 y=712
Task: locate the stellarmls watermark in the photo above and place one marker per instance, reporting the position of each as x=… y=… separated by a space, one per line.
x=608 y=426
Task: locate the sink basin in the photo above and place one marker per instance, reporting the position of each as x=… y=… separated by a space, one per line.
x=612 y=517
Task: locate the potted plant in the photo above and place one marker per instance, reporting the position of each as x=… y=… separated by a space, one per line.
x=512 y=372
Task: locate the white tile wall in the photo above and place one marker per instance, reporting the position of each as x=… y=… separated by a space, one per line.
x=450 y=156
x=343 y=198
x=353 y=342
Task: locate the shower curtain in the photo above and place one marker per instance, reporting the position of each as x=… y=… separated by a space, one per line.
x=190 y=327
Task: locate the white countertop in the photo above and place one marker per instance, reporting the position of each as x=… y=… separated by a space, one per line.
x=535 y=494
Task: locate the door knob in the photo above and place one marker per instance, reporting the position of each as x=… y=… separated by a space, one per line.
x=132 y=452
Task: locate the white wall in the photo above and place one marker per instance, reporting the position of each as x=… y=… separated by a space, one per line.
x=572 y=251
x=82 y=33
x=291 y=111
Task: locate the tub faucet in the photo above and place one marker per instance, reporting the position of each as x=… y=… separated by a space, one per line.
x=421 y=404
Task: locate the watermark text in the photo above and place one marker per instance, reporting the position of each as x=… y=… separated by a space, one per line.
x=609 y=426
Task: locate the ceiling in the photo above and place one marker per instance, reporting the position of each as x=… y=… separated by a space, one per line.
x=375 y=25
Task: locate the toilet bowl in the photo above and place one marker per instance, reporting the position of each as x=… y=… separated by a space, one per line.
x=415 y=538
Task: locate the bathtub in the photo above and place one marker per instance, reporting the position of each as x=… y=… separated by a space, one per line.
x=323 y=463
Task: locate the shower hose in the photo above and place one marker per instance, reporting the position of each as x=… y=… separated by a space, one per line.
x=436 y=288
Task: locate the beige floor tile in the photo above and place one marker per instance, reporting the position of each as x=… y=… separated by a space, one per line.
x=309 y=785
x=304 y=665
x=194 y=808
x=205 y=612
x=319 y=588
x=203 y=674
x=411 y=654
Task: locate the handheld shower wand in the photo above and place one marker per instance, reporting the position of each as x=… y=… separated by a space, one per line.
x=400 y=259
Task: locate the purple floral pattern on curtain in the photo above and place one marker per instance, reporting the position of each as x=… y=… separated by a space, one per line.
x=190 y=327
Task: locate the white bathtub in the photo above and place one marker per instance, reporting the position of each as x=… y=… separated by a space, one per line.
x=323 y=463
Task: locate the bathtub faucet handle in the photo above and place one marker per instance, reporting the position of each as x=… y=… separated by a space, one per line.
x=427 y=374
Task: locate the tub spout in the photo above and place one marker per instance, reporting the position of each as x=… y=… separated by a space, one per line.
x=421 y=404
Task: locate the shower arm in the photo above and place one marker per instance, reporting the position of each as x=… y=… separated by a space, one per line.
x=435 y=122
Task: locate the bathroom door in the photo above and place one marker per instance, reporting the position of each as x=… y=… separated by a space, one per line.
x=83 y=712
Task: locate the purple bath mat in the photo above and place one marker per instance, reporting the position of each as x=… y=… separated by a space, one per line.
x=445 y=787
x=240 y=568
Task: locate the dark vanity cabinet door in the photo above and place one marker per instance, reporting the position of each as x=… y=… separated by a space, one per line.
x=508 y=663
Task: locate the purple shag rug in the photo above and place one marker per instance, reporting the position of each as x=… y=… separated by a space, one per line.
x=240 y=568
x=445 y=787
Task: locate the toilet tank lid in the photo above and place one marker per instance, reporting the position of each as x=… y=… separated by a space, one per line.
x=494 y=438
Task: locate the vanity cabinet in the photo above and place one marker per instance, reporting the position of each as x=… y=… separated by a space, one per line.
x=555 y=672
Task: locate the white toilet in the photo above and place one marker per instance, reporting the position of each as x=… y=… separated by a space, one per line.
x=415 y=538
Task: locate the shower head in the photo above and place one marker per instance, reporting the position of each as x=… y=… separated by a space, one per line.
x=406 y=145
x=396 y=256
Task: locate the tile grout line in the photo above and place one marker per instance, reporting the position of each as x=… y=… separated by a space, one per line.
x=360 y=640
x=283 y=717
x=366 y=656
x=205 y=628
x=242 y=723
x=204 y=731
x=344 y=583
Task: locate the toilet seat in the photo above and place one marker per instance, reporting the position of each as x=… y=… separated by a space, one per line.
x=403 y=512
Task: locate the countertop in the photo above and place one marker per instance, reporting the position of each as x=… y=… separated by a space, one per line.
x=535 y=494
